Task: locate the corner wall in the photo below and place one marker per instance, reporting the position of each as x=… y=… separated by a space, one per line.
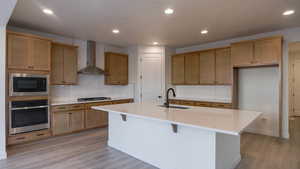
x=289 y=35
x=6 y=9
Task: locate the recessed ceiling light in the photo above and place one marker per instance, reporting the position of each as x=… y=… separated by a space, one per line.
x=155 y=43
x=204 y=31
x=115 y=31
x=48 y=11
x=288 y=12
x=169 y=11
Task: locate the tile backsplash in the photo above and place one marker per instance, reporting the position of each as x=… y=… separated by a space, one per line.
x=205 y=92
x=90 y=86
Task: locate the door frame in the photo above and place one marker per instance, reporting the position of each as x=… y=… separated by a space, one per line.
x=290 y=79
x=149 y=50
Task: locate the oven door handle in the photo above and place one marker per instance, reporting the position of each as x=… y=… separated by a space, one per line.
x=26 y=108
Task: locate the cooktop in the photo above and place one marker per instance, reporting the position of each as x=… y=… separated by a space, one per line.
x=84 y=99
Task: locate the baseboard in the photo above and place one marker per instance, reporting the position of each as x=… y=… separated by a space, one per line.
x=3 y=155
x=263 y=132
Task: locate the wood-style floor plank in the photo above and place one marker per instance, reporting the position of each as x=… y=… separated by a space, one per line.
x=89 y=150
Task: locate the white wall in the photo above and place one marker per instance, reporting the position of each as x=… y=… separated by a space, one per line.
x=290 y=35
x=88 y=85
x=6 y=9
x=258 y=91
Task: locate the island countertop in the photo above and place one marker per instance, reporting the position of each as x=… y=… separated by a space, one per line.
x=227 y=121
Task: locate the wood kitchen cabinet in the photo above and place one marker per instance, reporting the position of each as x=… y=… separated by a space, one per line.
x=95 y=118
x=64 y=64
x=242 y=53
x=268 y=51
x=67 y=121
x=192 y=69
x=178 y=69
x=223 y=67
x=207 y=67
x=260 y=52
x=28 y=52
x=116 y=69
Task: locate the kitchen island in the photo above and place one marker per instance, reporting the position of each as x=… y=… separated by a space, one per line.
x=174 y=138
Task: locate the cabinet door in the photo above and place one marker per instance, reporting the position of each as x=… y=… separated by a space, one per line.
x=178 y=69
x=95 y=118
x=124 y=69
x=57 y=65
x=116 y=66
x=76 y=120
x=60 y=123
x=41 y=51
x=223 y=67
x=242 y=54
x=207 y=68
x=268 y=51
x=192 y=69
x=18 y=51
x=70 y=65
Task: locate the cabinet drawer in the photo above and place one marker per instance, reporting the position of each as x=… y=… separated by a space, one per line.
x=122 y=101
x=203 y=104
x=67 y=107
x=89 y=105
x=25 y=137
x=188 y=103
x=222 y=105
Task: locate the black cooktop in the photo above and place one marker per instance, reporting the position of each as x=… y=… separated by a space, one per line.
x=85 y=99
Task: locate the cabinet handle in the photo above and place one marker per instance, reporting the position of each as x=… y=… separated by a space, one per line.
x=20 y=138
x=40 y=134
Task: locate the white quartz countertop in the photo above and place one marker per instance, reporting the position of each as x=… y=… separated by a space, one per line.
x=226 y=121
x=74 y=101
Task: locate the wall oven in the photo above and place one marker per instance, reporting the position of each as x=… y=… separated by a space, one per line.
x=22 y=84
x=30 y=115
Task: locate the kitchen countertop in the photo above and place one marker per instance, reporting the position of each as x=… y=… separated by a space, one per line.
x=202 y=99
x=228 y=121
x=74 y=101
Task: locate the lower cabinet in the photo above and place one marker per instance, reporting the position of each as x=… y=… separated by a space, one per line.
x=95 y=119
x=67 y=122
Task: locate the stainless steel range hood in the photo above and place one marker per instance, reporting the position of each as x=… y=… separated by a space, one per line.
x=91 y=61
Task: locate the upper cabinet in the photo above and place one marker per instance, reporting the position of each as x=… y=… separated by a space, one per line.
x=223 y=67
x=191 y=68
x=116 y=69
x=28 y=52
x=210 y=67
x=178 y=69
x=64 y=64
x=267 y=51
x=207 y=67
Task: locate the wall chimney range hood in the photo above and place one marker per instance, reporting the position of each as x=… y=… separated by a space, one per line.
x=91 y=61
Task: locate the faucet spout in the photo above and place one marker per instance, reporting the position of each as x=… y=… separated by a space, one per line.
x=167 y=104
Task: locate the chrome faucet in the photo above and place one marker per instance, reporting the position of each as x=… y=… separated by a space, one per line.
x=167 y=104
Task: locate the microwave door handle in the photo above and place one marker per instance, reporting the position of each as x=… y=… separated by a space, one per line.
x=25 y=108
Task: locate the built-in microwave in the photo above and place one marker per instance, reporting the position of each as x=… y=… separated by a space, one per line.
x=21 y=84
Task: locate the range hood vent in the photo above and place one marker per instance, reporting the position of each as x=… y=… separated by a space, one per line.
x=91 y=61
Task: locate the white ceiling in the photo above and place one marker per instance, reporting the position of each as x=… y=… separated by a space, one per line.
x=144 y=21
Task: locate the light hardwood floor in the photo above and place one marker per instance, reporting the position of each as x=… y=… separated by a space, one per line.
x=88 y=150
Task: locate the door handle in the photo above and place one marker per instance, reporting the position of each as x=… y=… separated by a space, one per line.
x=159 y=97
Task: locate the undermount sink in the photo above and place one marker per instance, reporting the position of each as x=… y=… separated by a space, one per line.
x=174 y=107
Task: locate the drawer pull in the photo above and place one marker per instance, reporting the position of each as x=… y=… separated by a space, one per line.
x=20 y=138
x=40 y=134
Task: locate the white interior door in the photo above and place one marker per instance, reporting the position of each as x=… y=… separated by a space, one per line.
x=151 y=77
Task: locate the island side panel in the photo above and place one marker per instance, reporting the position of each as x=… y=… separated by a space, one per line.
x=155 y=142
x=228 y=153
